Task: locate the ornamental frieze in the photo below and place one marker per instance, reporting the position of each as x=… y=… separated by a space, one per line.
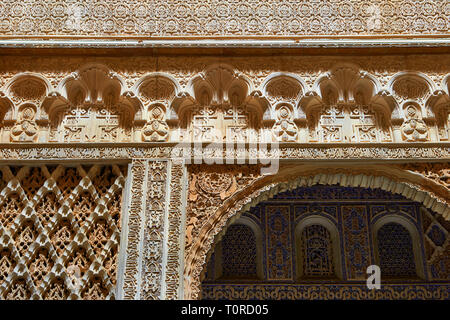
x=224 y=103
x=223 y=18
x=339 y=292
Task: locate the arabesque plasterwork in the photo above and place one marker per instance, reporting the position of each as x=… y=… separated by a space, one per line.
x=196 y=18
x=222 y=206
x=356 y=121
x=313 y=101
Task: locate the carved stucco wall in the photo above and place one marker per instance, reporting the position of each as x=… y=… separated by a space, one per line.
x=158 y=224
x=136 y=106
x=387 y=99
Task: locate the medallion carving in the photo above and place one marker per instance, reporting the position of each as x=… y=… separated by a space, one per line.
x=208 y=188
x=285 y=129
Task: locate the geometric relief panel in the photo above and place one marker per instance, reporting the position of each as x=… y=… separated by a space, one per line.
x=59 y=231
x=437 y=245
x=154 y=225
x=317 y=252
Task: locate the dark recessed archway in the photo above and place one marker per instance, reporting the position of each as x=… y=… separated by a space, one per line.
x=318 y=241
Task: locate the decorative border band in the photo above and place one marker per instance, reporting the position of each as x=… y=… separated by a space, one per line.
x=297 y=152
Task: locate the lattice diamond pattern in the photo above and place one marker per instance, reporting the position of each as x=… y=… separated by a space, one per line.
x=56 y=218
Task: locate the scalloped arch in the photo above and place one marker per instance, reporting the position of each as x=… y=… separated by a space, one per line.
x=75 y=76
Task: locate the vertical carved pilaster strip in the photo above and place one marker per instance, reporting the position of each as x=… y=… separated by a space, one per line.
x=174 y=250
x=135 y=207
x=154 y=231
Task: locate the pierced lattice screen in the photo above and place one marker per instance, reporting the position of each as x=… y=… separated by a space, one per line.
x=317 y=252
x=60 y=231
